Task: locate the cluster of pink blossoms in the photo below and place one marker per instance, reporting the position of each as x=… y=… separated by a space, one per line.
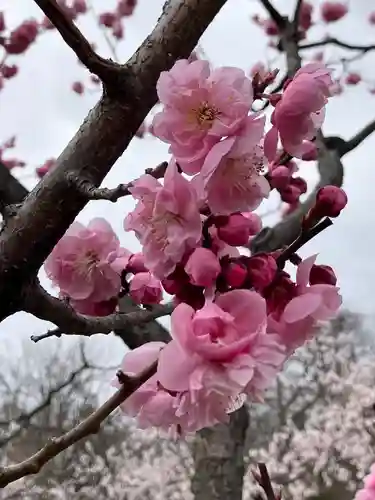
x=237 y=317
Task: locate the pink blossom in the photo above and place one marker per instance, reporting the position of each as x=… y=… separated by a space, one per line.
x=103 y=308
x=206 y=403
x=305 y=15
x=261 y=269
x=221 y=330
x=322 y=275
x=372 y=18
x=310 y=304
x=353 y=78
x=78 y=88
x=200 y=107
x=166 y=220
x=330 y=201
x=231 y=177
x=203 y=267
x=333 y=11
x=235 y=274
x=237 y=229
x=22 y=37
x=145 y=289
x=226 y=337
x=198 y=380
x=137 y=263
x=87 y=262
x=43 y=169
x=300 y=112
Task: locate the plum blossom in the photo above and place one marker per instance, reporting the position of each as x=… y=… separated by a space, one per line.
x=200 y=108
x=231 y=177
x=87 y=262
x=236 y=229
x=166 y=220
x=145 y=289
x=300 y=112
x=203 y=267
x=332 y=11
x=307 y=305
x=229 y=333
x=217 y=355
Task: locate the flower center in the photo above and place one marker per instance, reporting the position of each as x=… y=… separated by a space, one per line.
x=159 y=226
x=205 y=115
x=87 y=261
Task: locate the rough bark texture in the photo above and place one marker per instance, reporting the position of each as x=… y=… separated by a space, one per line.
x=51 y=207
x=219 y=459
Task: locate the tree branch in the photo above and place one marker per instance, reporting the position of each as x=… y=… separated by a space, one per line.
x=136 y=334
x=12 y=191
x=296 y=15
x=24 y=419
x=90 y=425
x=329 y=165
x=275 y=15
x=101 y=140
x=69 y=322
x=265 y=482
x=88 y=190
x=359 y=137
x=338 y=43
x=106 y=70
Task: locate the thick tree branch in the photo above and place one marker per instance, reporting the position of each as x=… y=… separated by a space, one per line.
x=51 y=207
x=106 y=70
x=338 y=43
x=136 y=334
x=90 y=425
x=44 y=306
x=275 y=15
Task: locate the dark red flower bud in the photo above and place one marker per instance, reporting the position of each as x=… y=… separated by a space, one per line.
x=261 y=270
x=321 y=274
x=330 y=200
x=235 y=274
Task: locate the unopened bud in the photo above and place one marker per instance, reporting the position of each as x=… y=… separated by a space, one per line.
x=322 y=275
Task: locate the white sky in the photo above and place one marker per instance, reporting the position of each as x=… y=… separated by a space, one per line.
x=40 y=108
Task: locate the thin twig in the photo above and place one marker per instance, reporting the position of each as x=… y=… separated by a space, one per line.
x=103 y=68
x=338 y=43
x=90 y=425
x=109 y=42
x=89 y=191
x=297 y=12
x=24 y=419
x=304 y=237
x=275 y=15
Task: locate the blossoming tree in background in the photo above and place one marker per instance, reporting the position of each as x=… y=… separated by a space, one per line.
x=236 y=317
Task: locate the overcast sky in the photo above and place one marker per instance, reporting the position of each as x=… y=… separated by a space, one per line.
x=40 y=108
